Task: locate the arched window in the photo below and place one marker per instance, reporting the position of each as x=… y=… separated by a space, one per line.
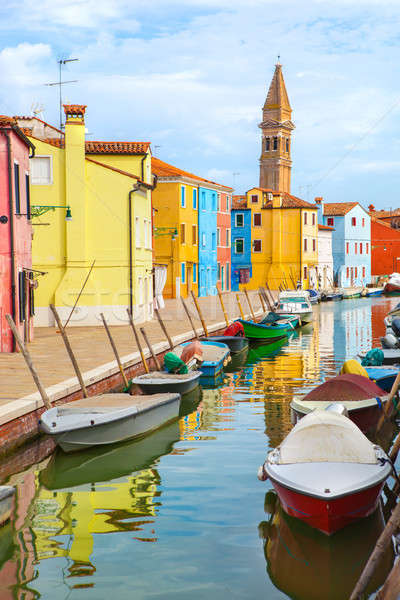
x=275 y=143
x=287 y=144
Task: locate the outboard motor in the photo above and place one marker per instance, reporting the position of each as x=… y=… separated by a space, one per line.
x=396 y=327
x=390 y=341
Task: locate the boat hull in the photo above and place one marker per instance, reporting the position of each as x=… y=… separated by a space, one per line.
x=211 y=367
x=365 y=418
x=392 y=289
x=235 y=343
x=306 y=317
x=268 y=332
x=329 y=515
x=162 y=385
x=374 y=293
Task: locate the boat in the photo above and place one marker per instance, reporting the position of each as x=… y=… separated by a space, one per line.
x=391 y=356
x=260 y=350
x=370 y=292
x=271 y=331
x=307 y=565
x=295 y=302
x=315 y=296
x=383 y=376
x=215 y=358
x=159 y=382
x=98 y=464
x=361 y=397
x=392 y=286
x=349 y=293
x=235 y=343
x=7 y=493
x=326 y=472
x=107 y=419
x=332 y=296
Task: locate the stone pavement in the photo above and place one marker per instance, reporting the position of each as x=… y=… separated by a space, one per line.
x=92 y=348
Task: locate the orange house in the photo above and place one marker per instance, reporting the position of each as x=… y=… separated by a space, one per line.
x=385 y=245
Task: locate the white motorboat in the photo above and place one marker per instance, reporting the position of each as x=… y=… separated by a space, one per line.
x=107 y=419
x=295 y=302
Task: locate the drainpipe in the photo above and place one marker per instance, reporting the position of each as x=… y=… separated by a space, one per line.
x=11 y=209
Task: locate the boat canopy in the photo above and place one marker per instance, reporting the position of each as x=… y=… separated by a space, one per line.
x=345 y=388
x=323 y=436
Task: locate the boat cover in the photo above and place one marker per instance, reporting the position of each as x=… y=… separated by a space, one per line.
x=373 y=358
x=353 y=367
x=345 y=388
x=234 y=329
x=323 y=436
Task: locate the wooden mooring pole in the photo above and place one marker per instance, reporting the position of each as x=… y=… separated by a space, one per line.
x=222 y=306
x=164 y=328
x=28 y=360
x=388 y=405
x=113 y=346
x=250 y=306
x=263 y=306
x=240 y=307
x=203 y=323
x=69 y=350
x=146 y=339
x=266 y=298
x=139 y=345
x=196 y=335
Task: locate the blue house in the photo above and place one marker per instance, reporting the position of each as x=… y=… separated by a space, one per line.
x=208 y=267
x=351 y=241
x=241 y=242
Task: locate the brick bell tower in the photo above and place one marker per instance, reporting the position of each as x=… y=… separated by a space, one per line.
x=276 y=130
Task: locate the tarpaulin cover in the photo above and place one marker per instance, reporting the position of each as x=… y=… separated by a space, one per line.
x=173 y=364
x=353 y=367
x=345 y=388
x=373 y=358
x=323 y=436
x=235 y=329
x=191 y=351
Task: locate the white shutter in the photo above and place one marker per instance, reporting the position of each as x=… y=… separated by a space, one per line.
x=41 y=170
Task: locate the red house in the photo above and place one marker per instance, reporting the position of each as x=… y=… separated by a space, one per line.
x=385 y=245
x=16 y=284
x=224 y=241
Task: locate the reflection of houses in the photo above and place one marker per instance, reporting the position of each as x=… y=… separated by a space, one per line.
x=353 y=331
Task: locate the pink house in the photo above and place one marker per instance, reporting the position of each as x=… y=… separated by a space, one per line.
x=16 y=283
x=224 y=240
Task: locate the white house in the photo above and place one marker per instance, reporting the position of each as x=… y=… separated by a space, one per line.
x=325 y=257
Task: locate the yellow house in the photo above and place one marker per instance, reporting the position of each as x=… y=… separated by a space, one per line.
x=91 y=208
x=284 y=235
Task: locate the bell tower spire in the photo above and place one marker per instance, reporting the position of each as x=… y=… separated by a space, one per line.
x=276 y=129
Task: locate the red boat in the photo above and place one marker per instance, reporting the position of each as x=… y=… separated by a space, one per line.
x=361 y=397
x=326 y=472
x=393 y=285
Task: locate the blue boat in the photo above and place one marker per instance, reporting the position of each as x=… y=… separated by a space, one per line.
x=374 y=292
x=215 y=357
x=383 y=376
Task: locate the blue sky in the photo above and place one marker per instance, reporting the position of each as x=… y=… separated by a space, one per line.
x=191 y=77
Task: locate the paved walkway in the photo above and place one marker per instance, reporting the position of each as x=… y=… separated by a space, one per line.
x=92 y=348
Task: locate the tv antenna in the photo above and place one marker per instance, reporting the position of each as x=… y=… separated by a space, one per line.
x=60 y=83
x=37 y=109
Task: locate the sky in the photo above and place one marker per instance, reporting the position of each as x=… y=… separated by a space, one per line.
x=191 y=77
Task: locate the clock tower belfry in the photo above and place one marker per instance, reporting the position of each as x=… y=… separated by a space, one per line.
x=276 y=129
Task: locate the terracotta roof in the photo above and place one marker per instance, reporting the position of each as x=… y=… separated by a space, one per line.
x=386 y=214
x=239 y=202
x=95 y=147
x=338 y=209
x=25 y=118
x=325 y=228
x=7 y=121
x=163 y=169
x=288 y=200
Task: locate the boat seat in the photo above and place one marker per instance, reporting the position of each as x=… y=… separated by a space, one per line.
x=108 y=403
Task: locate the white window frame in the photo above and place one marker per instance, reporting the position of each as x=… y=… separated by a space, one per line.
x=138 y=237
x=203 y=240
x=260 y=250
x=254 y=214
x=183 y=197
x=218 y=237
x=236 y=216
x=236 y=240
x=51 y=178
x=228 y=237
x=183 y=272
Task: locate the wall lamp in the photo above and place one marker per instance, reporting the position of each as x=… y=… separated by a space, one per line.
x=37 y=210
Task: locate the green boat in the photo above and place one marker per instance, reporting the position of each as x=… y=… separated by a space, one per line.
x=269 y=331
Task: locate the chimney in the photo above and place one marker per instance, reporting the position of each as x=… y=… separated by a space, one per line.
x=319 y=201
x=277 y=201
x=371 y=208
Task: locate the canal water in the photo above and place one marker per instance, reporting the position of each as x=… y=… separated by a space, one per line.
x=181 y=514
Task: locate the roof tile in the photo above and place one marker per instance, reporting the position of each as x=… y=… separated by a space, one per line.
x=338 y=209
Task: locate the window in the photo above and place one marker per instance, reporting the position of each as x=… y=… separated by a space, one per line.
x=214 y=202
x=222 y=278
x=275 y=143
x=305 y=272
x=361 y=248
x=183 y=196
x=218 y=236
x=203 y=240
x=254 y=199
x=355 y=248
x=353 y=221
x=203 y=200
x=330 y=221
x=22 y=295
x=218 y=201
x=41 y=170
x=183 y=233
x=17 y=190
x=305 y=218
x=257 y=220
x=194 y=273
x=267 y=144
x=313 y=218
x=228 y=238
x=194 y=196
x=314 y=245
x=347 y=247
x=239 y=246
x=137 y=232
x=149 y=237
x=256 y=245
x=239 y=220
x=214 y=239
x=363 y=271
x=287 y=144
x=366 y=248
x=183 y=272
x=228 y=276
x=363 y=222
x=219 y=271
x=194 y=235
x=28 y=196
x=305 y=244
x=347 y=272
x=227 y=203
x=145 y=229
x=355 y=269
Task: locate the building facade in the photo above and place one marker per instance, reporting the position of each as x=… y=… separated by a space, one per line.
x=325 y=258
x=16 y=275
x=351 y=241
x=385 y=245
x=240 y=243
x=93 y=202
x=224 y=202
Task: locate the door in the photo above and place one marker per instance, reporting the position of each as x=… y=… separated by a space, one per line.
x=189 y=278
